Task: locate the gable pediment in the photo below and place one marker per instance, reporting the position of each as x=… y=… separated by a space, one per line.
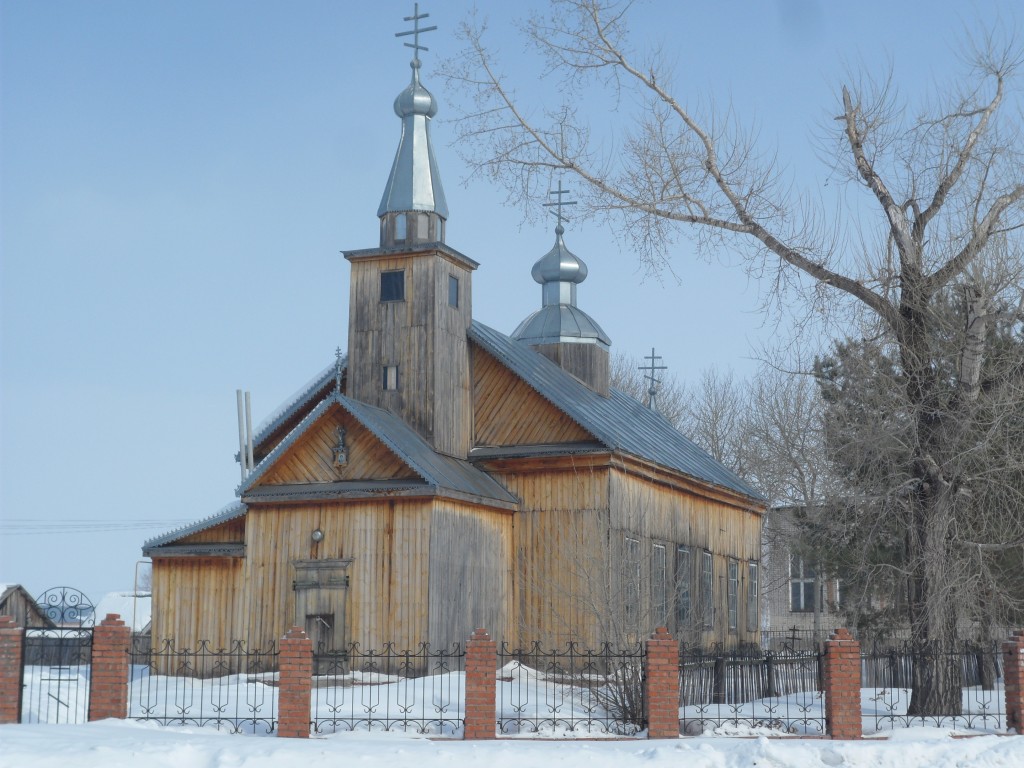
x=508 y=411
x=311 y=457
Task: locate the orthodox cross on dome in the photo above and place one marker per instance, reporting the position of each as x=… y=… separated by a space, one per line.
x=416 y=31
x=558 y=203
x=650 y=375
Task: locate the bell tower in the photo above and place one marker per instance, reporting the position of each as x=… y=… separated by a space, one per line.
x=410 y=302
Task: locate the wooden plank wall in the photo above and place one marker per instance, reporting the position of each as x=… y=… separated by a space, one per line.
x=424 y=337
x=658 y=513
x=470 y=572
x=311 y=458
x=389 y=543
x=560 y=538
x=500 y=398
x=196 y=599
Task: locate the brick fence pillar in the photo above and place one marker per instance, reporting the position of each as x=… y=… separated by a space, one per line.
x=842 y=686
x=296 y=684
x=1013 y=681
x=108 y=680
x=12 y=645
x=661 y=686
x=481 y=686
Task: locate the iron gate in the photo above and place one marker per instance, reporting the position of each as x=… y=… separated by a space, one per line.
x=57 y=660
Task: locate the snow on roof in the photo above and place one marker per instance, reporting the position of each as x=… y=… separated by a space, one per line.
x=134 y=608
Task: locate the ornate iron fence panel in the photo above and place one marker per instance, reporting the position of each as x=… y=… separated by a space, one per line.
x=747 y=691
x=571 y=691
x=907 y=686
x=231 y=688
x=57 y=660
x=421 y=690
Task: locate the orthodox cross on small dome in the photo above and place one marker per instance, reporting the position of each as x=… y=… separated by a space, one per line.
x=559 y=202
x=416 y=31
x=650 y=376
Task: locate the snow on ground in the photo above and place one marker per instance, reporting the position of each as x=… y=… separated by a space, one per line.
x=124 y=744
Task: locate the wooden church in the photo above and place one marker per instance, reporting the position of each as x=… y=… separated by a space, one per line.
x=444 y=476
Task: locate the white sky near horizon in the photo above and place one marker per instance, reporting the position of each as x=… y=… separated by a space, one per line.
x=177 y=181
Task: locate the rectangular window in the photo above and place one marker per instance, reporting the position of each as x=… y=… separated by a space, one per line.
x=753 y=596
x=707 y=592
x=632 y=583
x=400 y=227
x=392 y=285
x=734 y=595
x=659 y=586
x=453 y=291
x=802 y=578
x=390 y=378
x=684 y=577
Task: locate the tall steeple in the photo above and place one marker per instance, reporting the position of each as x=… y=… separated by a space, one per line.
x=411 y=298
x=560 y=330
x=413 y=208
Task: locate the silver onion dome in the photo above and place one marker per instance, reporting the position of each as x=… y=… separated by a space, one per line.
x=559 y=320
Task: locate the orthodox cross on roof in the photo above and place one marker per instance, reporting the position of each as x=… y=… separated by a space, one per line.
x=559 y=202
x=650 y=375
x=416 y=31
x=337 y=369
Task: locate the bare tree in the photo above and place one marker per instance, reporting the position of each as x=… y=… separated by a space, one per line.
x=945 y=183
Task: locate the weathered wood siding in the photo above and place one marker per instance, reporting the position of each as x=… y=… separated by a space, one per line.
x=560 y=539
x=500 y=401
x=423 y=336
x=422 y=570
x=587 y=362
x=311 y=459
x=197 y=599
x=656 y=512
x=470 y=573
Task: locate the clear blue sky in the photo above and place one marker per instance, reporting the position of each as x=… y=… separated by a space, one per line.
x=178 y=179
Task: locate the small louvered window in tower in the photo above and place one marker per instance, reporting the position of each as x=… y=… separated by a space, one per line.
x=390 y=377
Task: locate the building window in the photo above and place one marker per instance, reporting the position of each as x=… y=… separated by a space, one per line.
x=707 y=595
x=753 y=596
x=390 y=377
x=659 y=585
x=400 y=232
x=632 y=583
x=802 y=579
x=734 y=595
x=453 y=291
x=392 y=285
x=684 y=577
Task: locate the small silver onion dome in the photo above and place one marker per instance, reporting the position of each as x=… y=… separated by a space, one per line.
x=559 y=320
x=559 y=264
x=415 y=100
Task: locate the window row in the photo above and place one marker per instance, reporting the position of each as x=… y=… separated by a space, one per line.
x=688 y=594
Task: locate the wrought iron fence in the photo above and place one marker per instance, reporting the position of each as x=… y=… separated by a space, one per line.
x=231 y=688
x=958 y=688
x=420 y=690
x=571 y=691
x=748 y=690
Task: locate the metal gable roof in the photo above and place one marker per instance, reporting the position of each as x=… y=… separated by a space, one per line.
x=436 y=470
x=227 y=512
x=619 y=422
